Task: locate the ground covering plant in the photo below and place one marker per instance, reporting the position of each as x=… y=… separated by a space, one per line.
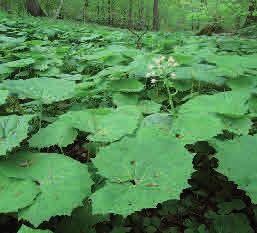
x=97 y=135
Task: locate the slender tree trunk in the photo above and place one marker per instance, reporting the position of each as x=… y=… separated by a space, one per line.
x=109 y=12
x=141 y=19
x=5 y=5
x=251 y=18
x=98 y=11
x=58 y=11
x=130 y=12
x=86 y=4
x=156 y=20
x=33 y=7
x=103 y=18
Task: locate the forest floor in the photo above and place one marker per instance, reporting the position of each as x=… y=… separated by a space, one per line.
x=161 y=130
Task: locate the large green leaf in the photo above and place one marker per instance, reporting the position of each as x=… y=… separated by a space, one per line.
x=64 y=183
x=237 y=161
x=105 y=125
x=206 y=116
x=239 y=126
x=58 y=133
x=112 y=55
x=229 y=103
x=233 y=65
x=141 y=172
x=13 y=130
x=148 y=106
x=120 y=99
x=243 y=82
x=253 y=104
x=16 y=194
x=25 y=229
x=85 y=120
x=200 y=73
x=20 y=63
x=3 y=96
x=114 y=126
x=126 y=85
x=46 y=90
x=160 y=121
x=196 y=126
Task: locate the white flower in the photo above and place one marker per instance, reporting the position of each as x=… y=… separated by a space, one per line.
x=162 y=58
x=175 y=64
x=171 y=60
x=150 y=67
x=148 y=75
x=153 y=80
x=157 y=61
x=173 y=75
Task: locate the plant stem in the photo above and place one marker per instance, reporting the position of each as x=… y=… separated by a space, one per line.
x=170 y=99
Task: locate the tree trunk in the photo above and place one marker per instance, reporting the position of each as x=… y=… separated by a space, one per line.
x=251 y=18
x=5 y=5
x=130 y=12
x=141 y=20
x=109 y=12
x=98 y=11
x=156 y=21
x=58 y=11
x=86 y=4
x=33 y=7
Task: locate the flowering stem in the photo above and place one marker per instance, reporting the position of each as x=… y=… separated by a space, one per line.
x=170 y=99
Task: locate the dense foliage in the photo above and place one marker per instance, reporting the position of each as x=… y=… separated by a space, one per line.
x=97 y=135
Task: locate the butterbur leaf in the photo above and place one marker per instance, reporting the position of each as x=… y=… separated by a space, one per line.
x=161 y=121
x=25 y=229
x=201 y=73
x=13 y=130
x=253 y=104
x=222 y=111
x=126 y=85
x=4 y=70
x=16 y=193
x=114 y=126
x=193 y=127
x=244 y=82
x=64 y=183
x=141 y=172
x=239 y=126
x=58 y=133
x=85 y=120
x=231 y=103
x=20 y=63
x=237 y=161
x=81 y=221
x=120 y=99
x=3 y=96
x=233 y=65
x=148 y=106
x=46 y=90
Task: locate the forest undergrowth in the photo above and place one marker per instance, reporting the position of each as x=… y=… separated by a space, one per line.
x=99 y=136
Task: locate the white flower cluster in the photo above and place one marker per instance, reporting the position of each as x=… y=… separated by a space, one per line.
x=160 y=67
